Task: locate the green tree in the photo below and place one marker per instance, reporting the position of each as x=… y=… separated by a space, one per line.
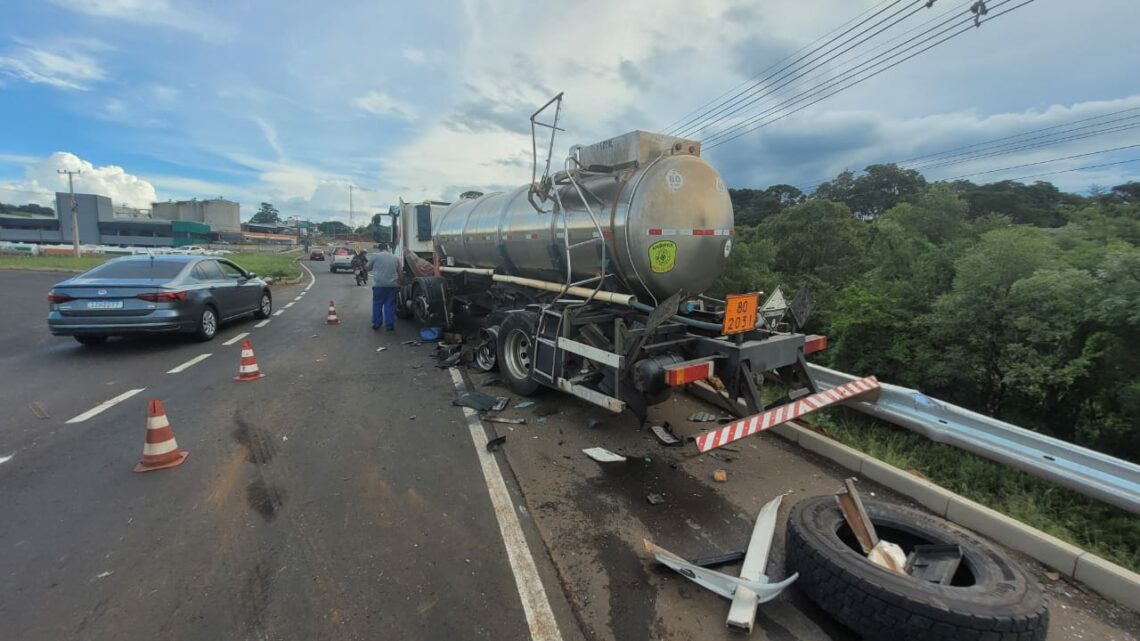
x=879 y=188
x=266 y=214
x=333 y=227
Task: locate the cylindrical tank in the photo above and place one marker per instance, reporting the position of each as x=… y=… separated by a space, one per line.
x=667 y=226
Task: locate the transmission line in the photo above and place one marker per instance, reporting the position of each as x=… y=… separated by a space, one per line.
x=744 y=129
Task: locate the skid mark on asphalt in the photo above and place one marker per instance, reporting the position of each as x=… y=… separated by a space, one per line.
x=259 y=447
x=265 y=498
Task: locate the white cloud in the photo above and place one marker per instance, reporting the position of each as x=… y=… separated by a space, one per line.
x=41 y=181
x=378 y=103
x=427 y=57
x=64 y=65
x=146 y=12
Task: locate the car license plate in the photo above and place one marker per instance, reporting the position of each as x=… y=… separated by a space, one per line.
x=105 y=304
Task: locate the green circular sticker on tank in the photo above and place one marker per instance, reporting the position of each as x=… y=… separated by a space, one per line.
x=663 y=256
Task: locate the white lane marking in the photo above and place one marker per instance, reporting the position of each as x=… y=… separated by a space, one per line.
x=262 y=323
x=297 y=298
x=312 y=279
x=279 y=312
x=539 y=616
x=5 y=459
x=236 y=338
x=289 y=304
x=105 y=405
x=190 y=363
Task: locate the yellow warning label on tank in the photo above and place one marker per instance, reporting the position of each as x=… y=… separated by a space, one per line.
x=663 y=256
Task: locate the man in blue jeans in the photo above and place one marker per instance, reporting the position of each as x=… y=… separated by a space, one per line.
x=385 y=270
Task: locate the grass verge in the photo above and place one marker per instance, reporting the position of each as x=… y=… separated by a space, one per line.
x=275 y=265
x=1102 y=529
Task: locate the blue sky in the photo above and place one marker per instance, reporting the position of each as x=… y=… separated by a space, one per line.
x=293 y=102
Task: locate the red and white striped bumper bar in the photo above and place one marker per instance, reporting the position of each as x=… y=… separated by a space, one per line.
x=784 y=413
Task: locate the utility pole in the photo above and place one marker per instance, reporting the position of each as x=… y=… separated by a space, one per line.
x=74 y=208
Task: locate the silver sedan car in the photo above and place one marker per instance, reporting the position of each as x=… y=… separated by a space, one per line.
x=152 y=294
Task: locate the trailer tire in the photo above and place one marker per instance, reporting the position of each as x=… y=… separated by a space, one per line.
x=991 y=598
x=403 y=311
x=515 y=351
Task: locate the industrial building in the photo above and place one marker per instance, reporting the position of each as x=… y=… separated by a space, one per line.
x=98 y=225
x=223 y=216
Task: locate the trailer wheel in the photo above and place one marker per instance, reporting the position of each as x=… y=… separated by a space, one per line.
x=403 y=311
x=990 y=597
x=515 y=349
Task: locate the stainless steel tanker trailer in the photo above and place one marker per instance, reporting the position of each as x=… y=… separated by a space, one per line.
x=590 y=280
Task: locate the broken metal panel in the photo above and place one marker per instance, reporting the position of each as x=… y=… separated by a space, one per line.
x=742 y=613
x=864 y=387
x=717 y=582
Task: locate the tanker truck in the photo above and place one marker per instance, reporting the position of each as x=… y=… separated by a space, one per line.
x=590 y=280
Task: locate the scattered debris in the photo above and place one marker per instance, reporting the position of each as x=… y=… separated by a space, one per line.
x=103 y=575
x=603 y=455
x=752 y=587
x=493 y=444
x=935 y=563
x=720 y=476
x=718 y=560
x=412 y=417
x=491 y=380
x=593 y=423
x=1053 y=576
x=450 y=360
x=664 y=433
x=452 y=337
x=540 y=419
x=730 y=448
x=508 y=421
x=654 y=499
x=39 y=411
x=524 y=404
x=284 y=437
x=882 y=553
x=702 y=417
x=381 y=349
x=480 y=401
x=546 y=409
x=414 y=342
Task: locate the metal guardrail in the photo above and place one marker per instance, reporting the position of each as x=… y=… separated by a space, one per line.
x=1091 y=473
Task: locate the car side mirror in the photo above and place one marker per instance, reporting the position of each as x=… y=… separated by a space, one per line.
x=249 y=275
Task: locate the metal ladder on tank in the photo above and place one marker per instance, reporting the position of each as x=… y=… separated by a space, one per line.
x=551 y=330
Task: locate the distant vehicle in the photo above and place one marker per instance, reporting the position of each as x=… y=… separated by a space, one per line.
x=143 y=294
x=341 y=260
x=317 y=254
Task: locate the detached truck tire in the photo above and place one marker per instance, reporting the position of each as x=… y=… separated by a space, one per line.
x=990 y=598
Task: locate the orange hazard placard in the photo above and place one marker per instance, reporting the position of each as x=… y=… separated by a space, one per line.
x=740 y=313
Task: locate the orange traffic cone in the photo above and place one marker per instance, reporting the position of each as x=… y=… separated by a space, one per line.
x=160 y=450
x=332 y=315
x=248 y=371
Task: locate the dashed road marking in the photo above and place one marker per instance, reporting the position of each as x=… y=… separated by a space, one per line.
x=298 y=297
x=262 y=323
x=279 y=312
x=236 y=338
x=536 y=606
x=289 y=304
x=105 y=405
x=191 y=363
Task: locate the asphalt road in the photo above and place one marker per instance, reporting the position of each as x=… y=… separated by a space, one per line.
x=340 y=497
x=343 y=496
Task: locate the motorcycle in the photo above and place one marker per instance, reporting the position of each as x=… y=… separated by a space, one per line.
x=361 y=275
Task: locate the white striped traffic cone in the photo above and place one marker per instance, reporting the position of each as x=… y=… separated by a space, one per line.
x=332 y=320
x=248 y=371
x=160 y=450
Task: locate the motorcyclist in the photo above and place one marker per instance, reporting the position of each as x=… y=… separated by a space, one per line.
x=360 y=266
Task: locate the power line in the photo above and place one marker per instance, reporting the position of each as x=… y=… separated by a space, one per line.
x=1045 y=162
x=865 y=78
x=693 y=112
x=1018 y=142
x=727 y=104
x=1065 y=171
x=773 y=91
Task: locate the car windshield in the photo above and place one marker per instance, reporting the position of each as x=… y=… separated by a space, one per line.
x=154 y=268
